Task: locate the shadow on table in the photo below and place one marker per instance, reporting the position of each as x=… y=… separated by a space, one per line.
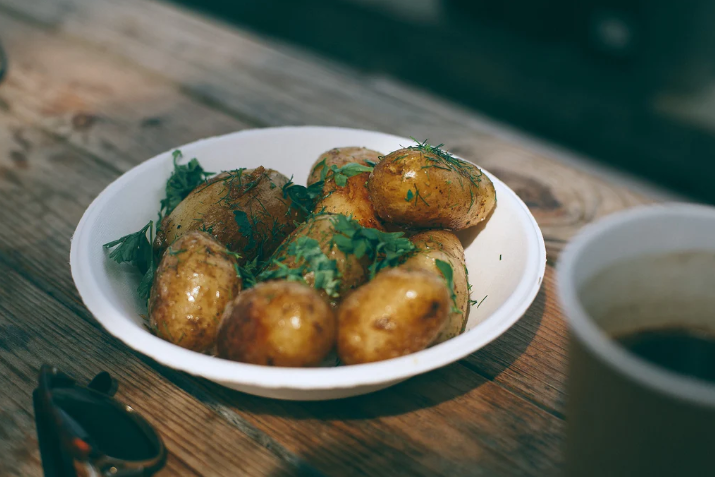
x=423 y=391
x=501 y=353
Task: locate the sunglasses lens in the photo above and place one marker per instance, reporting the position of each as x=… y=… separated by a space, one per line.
x=111 y=428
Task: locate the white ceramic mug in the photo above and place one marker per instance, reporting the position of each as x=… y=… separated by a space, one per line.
x=645 y=267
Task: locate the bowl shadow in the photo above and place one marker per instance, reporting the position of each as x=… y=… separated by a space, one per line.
x=419 y=392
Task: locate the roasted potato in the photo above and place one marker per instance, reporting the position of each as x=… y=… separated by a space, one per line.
x=433 y=245
x=399 y=312
x=425 y=187
x=351 y=199
x=277 y=323
x=318 y=232
x=194 y=282
x=243 y=209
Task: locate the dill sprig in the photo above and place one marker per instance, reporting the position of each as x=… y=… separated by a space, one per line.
x=442 y=159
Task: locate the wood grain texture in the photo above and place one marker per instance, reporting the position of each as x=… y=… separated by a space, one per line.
x=37 y=329
x=40 y=309
x=533 y=434
x=269 y=83
x=98 y=86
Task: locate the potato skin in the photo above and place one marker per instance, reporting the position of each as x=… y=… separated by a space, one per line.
x=399 y=312
x=353 y=272
x=351 y=199
x=443 y=245
x=210 y=208
x=194 y=282
x=420 y=189
x=277 y=323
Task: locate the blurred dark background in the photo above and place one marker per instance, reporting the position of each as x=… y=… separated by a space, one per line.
x=630 y=83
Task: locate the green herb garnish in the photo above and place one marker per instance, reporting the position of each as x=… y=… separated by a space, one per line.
x=247 y=272
x=245 y=227
x=309 y=258
x=442 y=159
x=136 y=249
x=383 y=249
x=409 y=196
x=182 y=181
x=301 y=197
x=342 y=174
x=448 y=273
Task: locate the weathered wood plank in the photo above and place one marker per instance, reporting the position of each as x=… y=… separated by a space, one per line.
x=43 y=192
x=111 y=84
x=36 y=329
x=41 y=199
x=118 y=112
x=67 y=53
x=274 y=84
x=447 y=422
x=530 y=358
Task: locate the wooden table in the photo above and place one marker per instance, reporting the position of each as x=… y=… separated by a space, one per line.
x=97 y=86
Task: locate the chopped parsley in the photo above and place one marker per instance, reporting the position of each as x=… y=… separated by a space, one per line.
x=409 y=196
x=136 y=249
x=182 y=181
x=303 y=198
x=342 y=174
x=383 y=249
x=245 y=227
x=448 y=273
x=310 y=258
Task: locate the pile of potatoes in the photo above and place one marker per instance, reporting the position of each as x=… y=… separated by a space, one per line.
x=200 y=300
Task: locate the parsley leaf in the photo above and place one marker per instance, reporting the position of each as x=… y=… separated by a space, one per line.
x=144 y=288
x=310 y=259
x=136 y=249
x=133 y=248
x=244 y=226
x=383 y=249
x=247 y=272
x=342 y=174
x=303 y=198
x=182 y=181
x=409 y=196
x=448 y=274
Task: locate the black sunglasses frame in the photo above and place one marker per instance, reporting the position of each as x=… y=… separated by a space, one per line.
x=61 y=442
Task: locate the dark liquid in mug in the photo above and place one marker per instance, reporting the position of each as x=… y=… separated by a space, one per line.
x=678 y=349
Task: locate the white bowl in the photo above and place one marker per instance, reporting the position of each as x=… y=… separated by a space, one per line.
x=506 y=261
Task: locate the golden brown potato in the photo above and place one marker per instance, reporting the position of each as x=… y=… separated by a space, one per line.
x=277 y=323
x=399 y=312
x=433 y=245
x=351 y=199
x=317 y=232
x=424 y=187
x=243 y=209
x=195 y=281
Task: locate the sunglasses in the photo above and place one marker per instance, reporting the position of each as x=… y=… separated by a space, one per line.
x=86 y=424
